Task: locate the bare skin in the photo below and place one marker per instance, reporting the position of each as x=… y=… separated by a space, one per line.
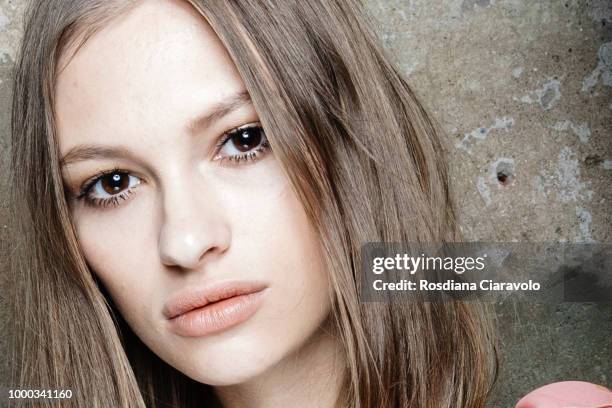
x=182 y=205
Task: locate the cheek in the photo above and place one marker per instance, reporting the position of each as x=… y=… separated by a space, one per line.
x=279 y=242
x=120 y=247
x=275 y=235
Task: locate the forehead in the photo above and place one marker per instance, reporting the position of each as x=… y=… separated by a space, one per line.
x=158 y=64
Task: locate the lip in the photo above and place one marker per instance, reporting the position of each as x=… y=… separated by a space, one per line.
x=213 y=308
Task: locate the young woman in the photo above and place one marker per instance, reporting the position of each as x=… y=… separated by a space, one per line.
x=193 y=182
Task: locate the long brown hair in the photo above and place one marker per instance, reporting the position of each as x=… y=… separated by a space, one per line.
x=364 y=157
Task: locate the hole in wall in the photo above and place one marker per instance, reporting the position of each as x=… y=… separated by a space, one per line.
x=502 y=178
x=504 y=172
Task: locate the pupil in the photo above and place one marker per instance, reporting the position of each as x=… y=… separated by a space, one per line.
x=247 y=139
x=115 y=183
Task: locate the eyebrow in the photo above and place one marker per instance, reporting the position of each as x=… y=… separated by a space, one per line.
x=218 y=111
x=88 y=152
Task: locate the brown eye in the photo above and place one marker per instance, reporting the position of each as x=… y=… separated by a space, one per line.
x=108 y=188
x=114 y=183
x=111 y=184
x=243 y=145
x=247 y=139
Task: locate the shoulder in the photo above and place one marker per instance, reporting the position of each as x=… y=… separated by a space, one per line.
x=567 y=394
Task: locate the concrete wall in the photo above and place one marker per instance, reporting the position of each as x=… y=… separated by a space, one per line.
x=523 y=90
x=10 y=33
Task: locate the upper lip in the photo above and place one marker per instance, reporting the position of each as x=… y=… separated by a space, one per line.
x=192 y=298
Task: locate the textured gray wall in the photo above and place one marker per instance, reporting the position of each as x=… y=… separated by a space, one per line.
x=523 y=90
x=10 y=33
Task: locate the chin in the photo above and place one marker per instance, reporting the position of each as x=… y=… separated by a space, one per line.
x=230 y=361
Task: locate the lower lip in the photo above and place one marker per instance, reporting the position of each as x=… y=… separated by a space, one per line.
x=218 y=316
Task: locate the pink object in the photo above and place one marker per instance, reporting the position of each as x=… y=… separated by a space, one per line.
x=568 y=394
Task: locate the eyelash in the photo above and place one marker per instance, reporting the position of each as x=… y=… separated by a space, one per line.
x=113 y=201
x=245 y=157
x=233 y=160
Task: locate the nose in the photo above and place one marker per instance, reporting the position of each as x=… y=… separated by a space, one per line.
x=191 y=229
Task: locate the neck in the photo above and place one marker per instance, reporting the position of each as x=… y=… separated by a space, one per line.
x=310 y=377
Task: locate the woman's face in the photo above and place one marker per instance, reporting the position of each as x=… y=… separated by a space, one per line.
x=174 y=207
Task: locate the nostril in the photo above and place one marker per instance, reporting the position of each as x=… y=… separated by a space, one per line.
x=185 y=242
